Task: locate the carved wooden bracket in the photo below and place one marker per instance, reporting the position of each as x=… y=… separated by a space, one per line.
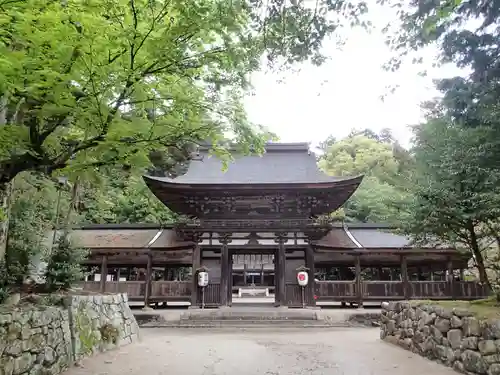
x=225 y=238
x=190 y=235
x=281 y=237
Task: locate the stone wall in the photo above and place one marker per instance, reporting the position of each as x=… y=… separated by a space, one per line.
x=100 y=323
x=38 y=339
x=453 y=337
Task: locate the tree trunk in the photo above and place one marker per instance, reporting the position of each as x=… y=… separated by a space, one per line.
x=5 y=203
x=73 y=204
x=478 y=256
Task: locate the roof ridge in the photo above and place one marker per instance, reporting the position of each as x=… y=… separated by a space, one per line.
x=268 y=147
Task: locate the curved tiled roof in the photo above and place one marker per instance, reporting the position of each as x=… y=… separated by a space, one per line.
x=283 y=163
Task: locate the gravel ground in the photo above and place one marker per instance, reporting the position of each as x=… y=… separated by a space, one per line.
x=353 y=351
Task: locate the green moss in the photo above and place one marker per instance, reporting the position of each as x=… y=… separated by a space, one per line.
x=83 y=325
x=109 y=334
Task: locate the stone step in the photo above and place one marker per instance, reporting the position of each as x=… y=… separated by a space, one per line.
x=247 y=324
x=266 y=315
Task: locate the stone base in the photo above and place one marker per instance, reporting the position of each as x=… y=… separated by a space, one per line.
x=313 y=307
x=194 y=307
x=147 y=308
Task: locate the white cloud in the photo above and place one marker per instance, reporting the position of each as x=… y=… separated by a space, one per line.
x=346 y=91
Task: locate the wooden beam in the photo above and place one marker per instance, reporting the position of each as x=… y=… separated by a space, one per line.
x=147 y=281
x=224 y=274
x=404 y=277
x=196 y=264
x=359 y=285
x=311 y=286
x=104 y=273
x=451 y=279
x=281 y=270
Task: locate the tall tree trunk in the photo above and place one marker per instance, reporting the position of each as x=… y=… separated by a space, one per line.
x=478 y=256
x=5 y=203
x=72 y=207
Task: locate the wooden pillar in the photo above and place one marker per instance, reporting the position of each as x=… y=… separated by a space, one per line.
x=309 y=255
x=451 y=278
x=104 y=273
x=244 y=274
x=196 y=264
x=276 y=278
x=462 y=276
x=281 y=270
x=359 y=283
x=380 y=273
x=118 y=273
x=147 y=280
x=230 y=280
x=404 y=277
x=224 y=270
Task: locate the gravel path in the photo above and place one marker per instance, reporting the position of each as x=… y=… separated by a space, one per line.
x=290 y=352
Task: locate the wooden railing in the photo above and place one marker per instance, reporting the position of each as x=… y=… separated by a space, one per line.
x=160 y=290
x=212 y=295
x=470 y=289
x=134 y=289
x=91 y=286
x=336 y=290
x=429 y=289
x=171 y=290
x=389 y=289
x=346 y=291
x=341 y=291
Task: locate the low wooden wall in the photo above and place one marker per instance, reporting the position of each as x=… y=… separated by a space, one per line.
x=161 y=291
x=347 y=291
x=338 y=291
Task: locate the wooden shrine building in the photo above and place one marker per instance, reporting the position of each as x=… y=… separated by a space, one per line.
x=254 y=226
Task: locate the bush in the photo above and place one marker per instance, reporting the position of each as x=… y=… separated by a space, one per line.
x=14 y=269
x=64 y=265
x=5 y=285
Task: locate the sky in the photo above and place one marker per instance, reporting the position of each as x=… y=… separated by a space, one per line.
x=345 y=92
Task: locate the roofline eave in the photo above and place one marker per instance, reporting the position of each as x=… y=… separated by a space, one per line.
x=179 y=186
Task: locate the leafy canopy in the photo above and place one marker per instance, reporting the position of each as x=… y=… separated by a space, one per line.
x=386 y=166
x=101 y=82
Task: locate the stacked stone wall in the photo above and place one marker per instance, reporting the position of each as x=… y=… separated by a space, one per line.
x=38 y=339
x=453 y=337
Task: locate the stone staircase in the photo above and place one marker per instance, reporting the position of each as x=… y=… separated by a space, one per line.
x=248 y=318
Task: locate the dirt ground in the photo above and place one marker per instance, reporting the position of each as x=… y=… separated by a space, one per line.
x=353 y=351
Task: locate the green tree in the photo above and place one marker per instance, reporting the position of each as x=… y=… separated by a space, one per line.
x=384 y=190
x=457 y=196
x=107 y=82
x=467 y=34
x=121 y=198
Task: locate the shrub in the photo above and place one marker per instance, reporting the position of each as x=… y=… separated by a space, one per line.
x=64 y=265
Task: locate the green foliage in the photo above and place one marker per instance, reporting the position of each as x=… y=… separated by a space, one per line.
x=384 y=190
x=467 y=34
x=83 y=325
x=5 y=282
x=109 y=333
x=456 y=193
x=121 y=198
x=64 y=265
x=86 y=84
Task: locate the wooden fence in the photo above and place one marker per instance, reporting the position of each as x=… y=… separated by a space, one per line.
x=347 y=291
